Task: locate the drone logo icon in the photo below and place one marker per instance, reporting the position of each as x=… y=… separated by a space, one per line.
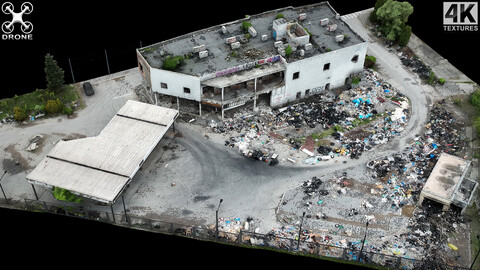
x=26 y=26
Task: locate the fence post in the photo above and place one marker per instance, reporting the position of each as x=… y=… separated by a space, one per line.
x=239 y=239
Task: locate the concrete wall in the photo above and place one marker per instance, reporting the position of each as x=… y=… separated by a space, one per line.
x=312 y=77
x=175 y=83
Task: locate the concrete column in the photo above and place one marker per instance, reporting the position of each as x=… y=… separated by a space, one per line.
x=222 y=96
x=200 y=108
x=178 y=104
x=420 y=199
x=255 y=95
x=223 y=111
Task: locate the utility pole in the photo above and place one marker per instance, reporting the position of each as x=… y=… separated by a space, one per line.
x=108 y=67
x=363 y=243
x=216 y=219
x=300 y=231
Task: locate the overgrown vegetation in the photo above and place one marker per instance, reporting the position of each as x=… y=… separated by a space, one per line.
x=370 y=61
x=29 y=105
x=65 y=195
x=475 y=101
x=288 y=50
x=245 y=26
x=172 y=62
x=392 y=17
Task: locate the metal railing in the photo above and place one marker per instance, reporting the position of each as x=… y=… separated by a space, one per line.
x=241 y=238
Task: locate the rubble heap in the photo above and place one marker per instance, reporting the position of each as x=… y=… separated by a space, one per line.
x=346 y=122
x=401 y=176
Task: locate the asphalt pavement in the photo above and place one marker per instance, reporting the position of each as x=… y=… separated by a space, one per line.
x=188 y=173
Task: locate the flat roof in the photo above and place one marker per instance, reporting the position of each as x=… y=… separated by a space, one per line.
x=446 y=177
x=220 y=57
x=100 y=167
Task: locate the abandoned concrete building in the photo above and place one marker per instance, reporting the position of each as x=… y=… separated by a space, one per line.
x=280 y=56
x=448 y=184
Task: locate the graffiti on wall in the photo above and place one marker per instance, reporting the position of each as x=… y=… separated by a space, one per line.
x=247 y=66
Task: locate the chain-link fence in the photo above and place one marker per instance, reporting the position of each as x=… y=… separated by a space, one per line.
x=242 y=238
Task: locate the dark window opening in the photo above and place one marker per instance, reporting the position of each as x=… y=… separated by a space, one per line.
x=296 y=75
x=307 y=92
x=355 y=58
x=326 y=66
x=163 y=85
x=299 y=95
x=186 y=90
x=327 y=86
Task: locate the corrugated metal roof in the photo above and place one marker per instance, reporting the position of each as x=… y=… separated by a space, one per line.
x=100 y=167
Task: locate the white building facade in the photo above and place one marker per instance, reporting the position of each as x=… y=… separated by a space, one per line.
x=286 y=55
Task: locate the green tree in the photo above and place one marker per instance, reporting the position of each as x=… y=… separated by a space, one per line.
x=392 y=16
x=54 y=74
x=373 y=15
x=405 y=36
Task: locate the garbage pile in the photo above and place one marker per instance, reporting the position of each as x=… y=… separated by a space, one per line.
x=353 y=120
x=417 y=66
x=401 y=176
x=430 y=230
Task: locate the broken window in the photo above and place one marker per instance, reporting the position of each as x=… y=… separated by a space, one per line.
x=307 y=92
x=186 y=90
x=326 y=66
x=327 y=86
x=163 y=85
x=299 y=95
x=296 y=75
x=355 y=58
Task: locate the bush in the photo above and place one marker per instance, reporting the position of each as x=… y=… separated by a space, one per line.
x=54 y=106
x=67 y=110
x=279 y=16
x=370 y=61
x=288 y=50
x=441 y=80
x=475 y=98
x=172 y=62
x=476 y=124
x=245 y=26
x=19 y=114
x=65 y=195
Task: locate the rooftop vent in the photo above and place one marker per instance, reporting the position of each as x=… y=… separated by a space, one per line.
x=339 y=38
x=252 y=31
x=224 y=29
x=200 y=48
x=235 y=45
x=332 y=27
x=324 y=22
x=231 y=40
x=302 y=16
x=203 y=54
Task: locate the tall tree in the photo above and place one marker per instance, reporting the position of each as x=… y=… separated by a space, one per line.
x=54 y=74
x=373 y=15
x=392 y=16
